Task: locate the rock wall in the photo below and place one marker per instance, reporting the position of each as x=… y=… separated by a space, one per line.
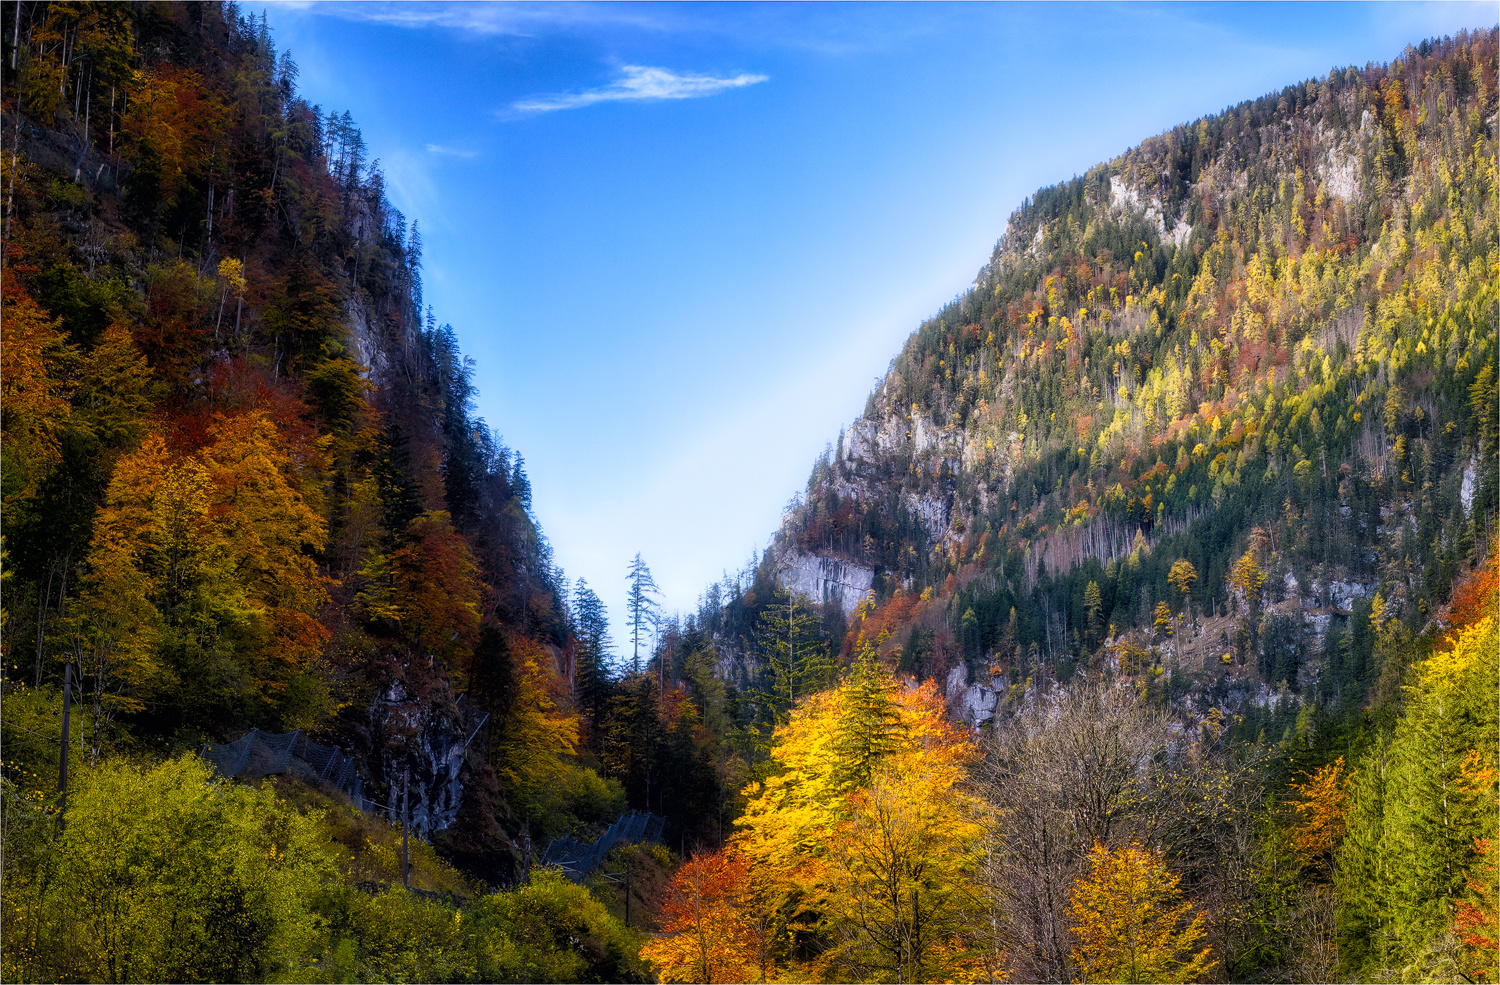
x=825 y=579
x=430 y=738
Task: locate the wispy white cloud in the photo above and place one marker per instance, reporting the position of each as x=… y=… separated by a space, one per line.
x=484 y=19
x=449 y=151
x=832 y=31
x=641 y=83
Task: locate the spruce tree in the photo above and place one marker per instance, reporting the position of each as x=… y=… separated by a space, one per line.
x=796 y=657
x=644 y=609
x=869 y=724
x=591 y=675
x=1093 y=606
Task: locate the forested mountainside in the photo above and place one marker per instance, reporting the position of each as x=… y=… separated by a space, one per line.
x=1262 y=344
x=245 y=488
x=1219 y=415
x=1216 y=426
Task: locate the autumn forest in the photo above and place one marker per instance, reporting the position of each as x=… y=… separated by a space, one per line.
x=1141 y=629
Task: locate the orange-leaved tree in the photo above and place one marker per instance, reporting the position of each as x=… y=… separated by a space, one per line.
x=1476 y=919
x=201 y=572
x=268 y=526
x=1321 y=804
x=1130 y=926
x=427 y=590
x=160 y=604
x=33 y=404
x=709 y=933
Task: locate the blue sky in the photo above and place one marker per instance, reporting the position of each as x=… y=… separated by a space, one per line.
x=683 y=241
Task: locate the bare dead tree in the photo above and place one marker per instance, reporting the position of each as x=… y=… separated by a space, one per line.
x=1095 y=764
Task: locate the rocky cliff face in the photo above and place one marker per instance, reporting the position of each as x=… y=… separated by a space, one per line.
x=827 y=580
x=418 y=746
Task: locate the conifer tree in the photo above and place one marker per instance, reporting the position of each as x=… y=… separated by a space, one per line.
x=869 y=722
x=643 y=607
x=796 y=657
x=1093 y=606
x=591 y=681
x=1413 y=816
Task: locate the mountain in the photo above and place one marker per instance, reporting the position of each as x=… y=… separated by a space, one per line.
x=1187 y=509
x=243 y=482
x=1262 y=342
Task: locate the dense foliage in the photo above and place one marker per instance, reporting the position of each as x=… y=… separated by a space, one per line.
x=1217 y=426
x=244 y=486
x=1198 y=484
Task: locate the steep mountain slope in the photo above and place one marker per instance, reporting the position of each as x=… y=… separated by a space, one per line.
x=1262 y=343
x=244 y=485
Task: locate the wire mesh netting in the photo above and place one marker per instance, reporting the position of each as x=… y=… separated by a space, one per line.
x=577 y=858
x=257 y=754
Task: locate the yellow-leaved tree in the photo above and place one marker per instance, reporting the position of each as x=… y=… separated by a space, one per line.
x=540 y=735
x=201 y=573
x=159 y=602
x=1183 y=577
x=863 y=846
x=1130 y=926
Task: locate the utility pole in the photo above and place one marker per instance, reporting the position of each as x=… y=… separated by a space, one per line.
x=405 y=826
x=627 y=893
x=526 y=852
x=62 y=762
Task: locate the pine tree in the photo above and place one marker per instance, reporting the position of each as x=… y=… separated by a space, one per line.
x=591 y=676
x=869 y=723
x=1413 y=817
x=644 y=609
x=797 y=658
x=1093 y=606
x=520 y=484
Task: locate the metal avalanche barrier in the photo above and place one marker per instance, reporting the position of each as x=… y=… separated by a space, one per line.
x=257 y=754
x=576 y=858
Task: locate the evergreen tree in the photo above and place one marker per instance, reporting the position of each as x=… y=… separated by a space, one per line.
x=1417 y=804
x=797 y=658
x=644 y=609
x=1093 y=606
x=869 y=723
x=634 y=750
x=400 y=498
x=591 y=663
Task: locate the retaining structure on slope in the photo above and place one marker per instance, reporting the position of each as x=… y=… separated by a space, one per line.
x=256 y=754
x=577 y=858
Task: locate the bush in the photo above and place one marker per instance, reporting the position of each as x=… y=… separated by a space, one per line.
x=161 y=875
x=552 y=931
